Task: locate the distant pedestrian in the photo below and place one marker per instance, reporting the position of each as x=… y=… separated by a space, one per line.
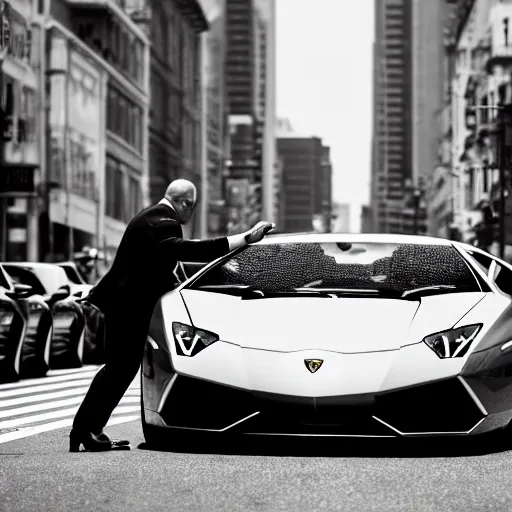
x=143 y=270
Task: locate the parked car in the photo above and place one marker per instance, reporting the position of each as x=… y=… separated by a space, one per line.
x=94 y=322
x=51 y=282
x=13 y=325
x=27 y=324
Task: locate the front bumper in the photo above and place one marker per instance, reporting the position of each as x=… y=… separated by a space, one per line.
x=447 y=407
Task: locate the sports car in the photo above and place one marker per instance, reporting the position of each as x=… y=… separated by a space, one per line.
x=334 y=335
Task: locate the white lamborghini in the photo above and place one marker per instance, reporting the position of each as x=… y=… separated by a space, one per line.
x=334 y=335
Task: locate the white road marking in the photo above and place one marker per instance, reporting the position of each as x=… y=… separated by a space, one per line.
x=47 y=401
x=24 y=384
x=60 y=413
x=70 y=371
x=43 y=397
x=32 y=431
x=44 y=387
x=19 y=411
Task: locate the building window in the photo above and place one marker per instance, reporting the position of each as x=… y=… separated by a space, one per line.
x=124 y=118
x=82 y=169
x=134 y=196
x=138 y=61
x=115 y=192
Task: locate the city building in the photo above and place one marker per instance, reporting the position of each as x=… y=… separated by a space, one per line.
x=241 y=85
x=481 y=91
x=427 y=55
x=96 y=144
x=303 y=192
x=250 y=83
x=439 y=192
x=174 y=29
x=215 y=115
x=20 y=115
x=366 y=219
x=392 y=113
x=409 y=75
x=323 y=199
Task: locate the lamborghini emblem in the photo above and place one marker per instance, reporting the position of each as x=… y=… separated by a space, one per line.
x=313 y=364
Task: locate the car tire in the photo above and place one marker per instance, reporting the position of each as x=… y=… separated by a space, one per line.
x=160 y=437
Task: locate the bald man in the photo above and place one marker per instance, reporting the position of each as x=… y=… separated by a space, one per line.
x=143 y=270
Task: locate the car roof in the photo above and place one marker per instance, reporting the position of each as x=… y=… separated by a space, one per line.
x=51 y=276
x=324 y=238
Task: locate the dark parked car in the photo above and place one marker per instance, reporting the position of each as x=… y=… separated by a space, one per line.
x=25 y=330
x=51 y=282
x=94 y=324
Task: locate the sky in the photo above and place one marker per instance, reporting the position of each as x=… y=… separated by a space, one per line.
x=324 y=85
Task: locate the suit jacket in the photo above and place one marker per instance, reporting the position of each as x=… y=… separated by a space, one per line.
x=145 y=261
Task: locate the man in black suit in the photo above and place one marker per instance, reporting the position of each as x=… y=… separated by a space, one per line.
x=143 y=270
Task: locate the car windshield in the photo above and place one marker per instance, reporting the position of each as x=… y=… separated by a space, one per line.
x=45 y=279
x=73 y=274
x=343 y=268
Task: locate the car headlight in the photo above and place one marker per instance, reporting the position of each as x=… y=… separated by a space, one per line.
x=189 y=340
x=454 y=342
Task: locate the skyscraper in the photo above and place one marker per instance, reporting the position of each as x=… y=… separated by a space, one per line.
x=409 y=68
x=249 y=79
x=392 y=144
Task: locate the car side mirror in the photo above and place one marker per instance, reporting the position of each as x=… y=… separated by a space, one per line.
x=21 y=291
x=61 y=294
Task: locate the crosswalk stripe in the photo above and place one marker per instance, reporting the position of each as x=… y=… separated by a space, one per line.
x=69 y=371
x=31 y=431
x=61 y=413
x=20 y=411
x=44 y=387
x=80 y=390
x=43 y=397
x=30 y=406
x=23 y=384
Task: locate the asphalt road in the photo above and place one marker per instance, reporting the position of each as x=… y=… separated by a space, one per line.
x=38 y=474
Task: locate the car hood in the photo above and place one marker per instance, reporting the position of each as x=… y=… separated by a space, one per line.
x=345 y=325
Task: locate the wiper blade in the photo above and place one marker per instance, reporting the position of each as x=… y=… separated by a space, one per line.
x=238 y=290
x=357 y=292
x=433 y=290
x=250 y=292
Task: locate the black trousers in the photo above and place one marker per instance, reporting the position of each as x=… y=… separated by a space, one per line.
x=126 y=330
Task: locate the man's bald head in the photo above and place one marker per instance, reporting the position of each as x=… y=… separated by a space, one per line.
x=180 y=187
x=182 y=194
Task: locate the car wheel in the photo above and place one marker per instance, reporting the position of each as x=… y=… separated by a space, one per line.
x=161 y=437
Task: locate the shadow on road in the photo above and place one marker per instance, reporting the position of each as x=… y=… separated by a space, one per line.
x=347 y=447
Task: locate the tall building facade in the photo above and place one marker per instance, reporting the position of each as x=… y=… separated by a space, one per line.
x=96 y=148
x=427 y=19
x=392 y=113
x=250 y=80
x=303 y=188
x=76 y=110
x=439 y=191
x=481 y=88
x=20 y=135
x=409 y=73
x=215 y=116
x=323 y=201
x=174 y=29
